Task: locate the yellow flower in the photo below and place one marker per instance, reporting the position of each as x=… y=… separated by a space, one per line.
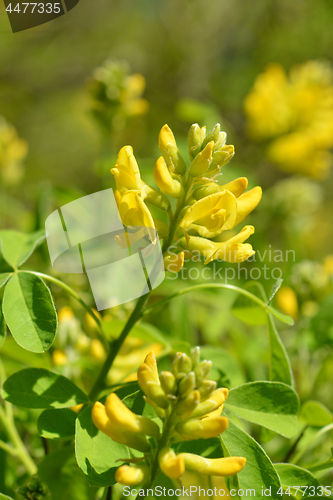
x=13 y=151
x=286 y=300
x=296 y=114
x=189 y=406
x=126 y=172
x=165 y=181
x=232 y=250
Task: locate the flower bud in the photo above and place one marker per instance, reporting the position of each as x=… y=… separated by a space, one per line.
x=220 y=158
x=206 y=388
x=220 y=142
x=185 y=407
x=156 y=198
x=164 y=180
x=195 y=356
x=171 y=465
x=132 y=475
x=227 y=466
x=176 y=160
x=202 y=371
x=202 y=429
x=213 y=135
x=187 y=385
x=168 y=147
x=203 y=191
x=215 y=400
x=181 y=365
x=168 y=382
x=202 y=161
x=194 y=140
x=149 y=386
x=174 y=262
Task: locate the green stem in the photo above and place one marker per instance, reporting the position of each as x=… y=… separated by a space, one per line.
x=20 y=450
x=202 y=286
x=116 y=345
x=71 y=292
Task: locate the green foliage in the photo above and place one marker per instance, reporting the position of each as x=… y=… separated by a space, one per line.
x=315 y=413
x=97 y=455
x=280 y=368
x=29 y=312
x=57 y=423
x=292 y=475
x=17 y=247
x=39 y=388
x=270 y=404
x=59 y=471
x=259 y=471
x=2 y=326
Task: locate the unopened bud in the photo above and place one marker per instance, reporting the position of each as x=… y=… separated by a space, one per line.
x=185 y=407
x=181 y=365
x=202 y=161
x=168 y=382
x=215 y=400
x=202 y=371
x=194 y=140
x=174 y=262
x=156 y=198
x=213 y=135
x=176 y=159
x=206 y=388
x=220 y=158
x=206 y=190
x=187 y=385
x=195 y=356
x=132 y=475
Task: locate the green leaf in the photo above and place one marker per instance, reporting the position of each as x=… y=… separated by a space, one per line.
x=16 y=357
x=224 y=365
x=39 y=388
x=5 y=497
x=292 y=475
x=59 y=471
x=315 y=414
x=279 y=315
x=248 y=311
x=29 y=312
x=96 y=454
x=4 y=277
x=2 y=326
x=57 y=423
x=258 y=472
x=275 y=288
x=280 y=368
x=17 y=247
x=269 y=404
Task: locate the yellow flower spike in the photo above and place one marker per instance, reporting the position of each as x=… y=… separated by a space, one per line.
x=216 y=212
x=202 y=161
x=228 y=466
x=164 y=180
x=286 y=300
x=126 y=172
x=247 y=202
x=101 y=420
x=202 y=429
x=174 y=262
x=126 y=420
x=171 y=465
x=215 y=400
x=236 y=187
x=132 y=475
x=152 y=389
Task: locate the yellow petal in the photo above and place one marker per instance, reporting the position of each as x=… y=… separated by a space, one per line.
x=171 y=465
x=165 y=138
x=214 y=401
x=228 y=466
x=236 y=187
x=123 y=417
x=233 y=250
x=202 y=429
x=174 y=262
x=247 y=202
x=130 y=475
x=164 y=180
x=286 y=300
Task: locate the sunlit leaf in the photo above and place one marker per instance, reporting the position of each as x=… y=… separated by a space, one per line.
x=17 y=247
x=57 y=423
x=280 y=368
x=315 y=414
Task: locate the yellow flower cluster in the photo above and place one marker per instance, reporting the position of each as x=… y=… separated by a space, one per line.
x=296 y=114
x=203 y=209
x=12 y=153
x=117 y=94
x=189 y=406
